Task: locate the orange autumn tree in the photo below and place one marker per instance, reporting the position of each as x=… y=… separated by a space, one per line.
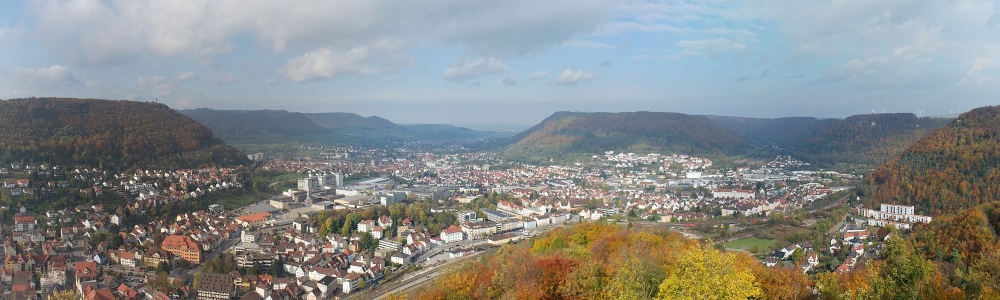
x=586 y=261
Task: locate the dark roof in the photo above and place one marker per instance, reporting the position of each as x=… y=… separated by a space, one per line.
x=215 y=282
x=251 y=296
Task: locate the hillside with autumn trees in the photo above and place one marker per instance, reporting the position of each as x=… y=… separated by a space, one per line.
x=107 y=134
x=869 y=139
x=565 y=134
x=949 y=170
x=864 y=141
x=951 y=174
x=606 y=261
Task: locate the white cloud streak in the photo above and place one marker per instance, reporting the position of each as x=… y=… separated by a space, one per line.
x=325 y=62
x=572 y=77
x=467 y=70
x=185 y=76
x=52 y=77
x=539 y=74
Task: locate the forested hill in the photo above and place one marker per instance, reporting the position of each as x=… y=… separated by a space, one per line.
x=778 y=133
x=869 y=139
x=375 y=127
x=949 y=170
x=350 y=123
x=254 y=128
x=242 y=127
x=108 y=134
x=566 y=134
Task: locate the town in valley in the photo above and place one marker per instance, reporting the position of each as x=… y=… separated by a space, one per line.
x=359 y=223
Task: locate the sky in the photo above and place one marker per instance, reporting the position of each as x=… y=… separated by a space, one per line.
x=509 y=62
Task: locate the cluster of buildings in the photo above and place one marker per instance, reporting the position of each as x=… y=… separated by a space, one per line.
x=857 y=240
x=810 y=257
x=899 y=216
x=323 y=266
x=666 y=187
x=507 y=218
x=143 y=189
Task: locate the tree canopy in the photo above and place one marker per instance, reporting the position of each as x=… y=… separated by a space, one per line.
x=114 y=135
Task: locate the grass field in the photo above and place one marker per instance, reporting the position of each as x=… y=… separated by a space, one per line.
x=284 y=177
x=279 y=182
x=236 y=201
x=748 y=243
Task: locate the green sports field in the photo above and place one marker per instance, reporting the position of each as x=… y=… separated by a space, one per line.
x=748 y=243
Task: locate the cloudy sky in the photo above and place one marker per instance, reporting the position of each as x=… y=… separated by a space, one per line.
x=509 y=62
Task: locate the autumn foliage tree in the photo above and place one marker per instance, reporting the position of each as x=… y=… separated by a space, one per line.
x=586 y=261
x=705 y=273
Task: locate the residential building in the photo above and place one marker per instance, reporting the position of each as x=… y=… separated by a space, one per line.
x=451 y=234
x=496 y=216
x=732 y=193
x=351 y=282
x=24 y=222
x=476 y=230
x=184 y=247
x=895 y=213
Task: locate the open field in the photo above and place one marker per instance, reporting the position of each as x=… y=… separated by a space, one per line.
x=748 y=243
x=235 y=201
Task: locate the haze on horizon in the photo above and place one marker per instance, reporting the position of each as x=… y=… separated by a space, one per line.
x=509 y=62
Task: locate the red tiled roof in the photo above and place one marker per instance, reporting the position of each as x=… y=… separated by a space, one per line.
x=452 y=229
x=179 y=241
x=254 y=218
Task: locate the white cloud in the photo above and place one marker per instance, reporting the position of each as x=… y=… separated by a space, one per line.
x=975 y=73
x=393 y=78
x=8 y=32
x=269 y=82
x=587 y=44
x=101 y=32
x=466 y=70
x=619 y=27
x=714 y=48
x=539 y=74
x=676 y=17
x=325 y=63
x=890 y=67
x=571 y=77
x=888 y=38
x=159 y=85
x=228 y=78
x=54 y=76
x=185 y=76
x=510 y=80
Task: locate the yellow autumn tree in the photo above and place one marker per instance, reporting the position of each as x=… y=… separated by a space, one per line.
x=635 y=278
x=64 y=295
x=705 y=273
x=985 y=275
